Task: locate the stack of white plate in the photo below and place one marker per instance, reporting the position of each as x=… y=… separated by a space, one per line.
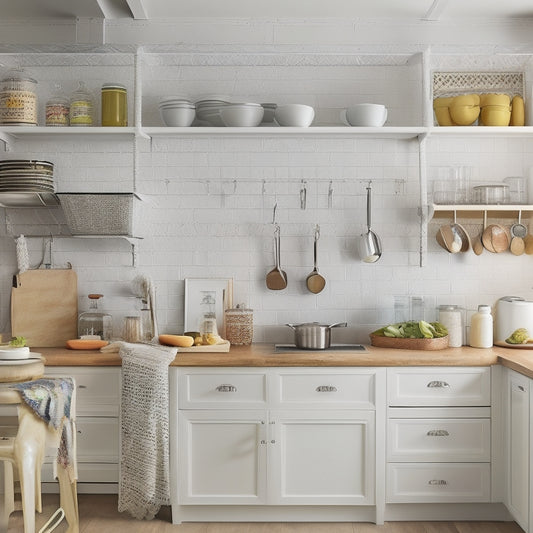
x=22 y=175
x=208 y=109
x=177 y=111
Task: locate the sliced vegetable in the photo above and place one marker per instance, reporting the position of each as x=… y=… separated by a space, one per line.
x=519 y=336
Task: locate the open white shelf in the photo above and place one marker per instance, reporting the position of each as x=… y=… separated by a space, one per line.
x=477 y=210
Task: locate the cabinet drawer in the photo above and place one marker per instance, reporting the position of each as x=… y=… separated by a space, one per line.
x=98 y=389
x=221 y=390
x=319 y=388
x=97 y=440
x=464 y=386
x=439 y=440
x=438 y=482
x=87 y=473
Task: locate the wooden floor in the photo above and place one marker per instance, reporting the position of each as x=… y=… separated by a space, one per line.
x=98 y=514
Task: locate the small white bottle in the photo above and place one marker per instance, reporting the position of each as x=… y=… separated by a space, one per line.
x=481 y=334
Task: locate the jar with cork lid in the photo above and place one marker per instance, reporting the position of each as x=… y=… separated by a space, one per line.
x=239 y=325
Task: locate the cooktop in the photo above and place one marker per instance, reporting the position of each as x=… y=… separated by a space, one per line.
x=279 y=348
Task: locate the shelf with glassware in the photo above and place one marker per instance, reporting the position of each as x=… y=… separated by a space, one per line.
x=441 y=211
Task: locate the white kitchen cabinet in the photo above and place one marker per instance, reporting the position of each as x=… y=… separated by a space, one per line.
x=438 y=435
x=322 y=457
x=518 y=448
x=222 y=456
x=275 y=437
x=97 y=425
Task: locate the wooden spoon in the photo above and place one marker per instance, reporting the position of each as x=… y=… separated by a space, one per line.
x=276 y=279
x=315 y=282
x=528 y=241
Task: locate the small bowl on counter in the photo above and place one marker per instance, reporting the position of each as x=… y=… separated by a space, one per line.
x=294 y=115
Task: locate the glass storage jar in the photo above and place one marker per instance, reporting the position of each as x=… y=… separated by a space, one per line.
x=239 y=325
x=81 y=107
x=57 y=109
x=18 y=100
x=114 y=105
x=93 y=322
x=451 y=317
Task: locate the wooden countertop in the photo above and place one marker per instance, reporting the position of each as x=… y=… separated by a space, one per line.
x=263 y=355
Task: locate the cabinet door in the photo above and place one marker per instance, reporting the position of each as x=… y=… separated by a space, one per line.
x=222 y=457
x=321 y=457
x=518 y=447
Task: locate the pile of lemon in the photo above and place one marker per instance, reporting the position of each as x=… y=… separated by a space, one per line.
x=491 y=109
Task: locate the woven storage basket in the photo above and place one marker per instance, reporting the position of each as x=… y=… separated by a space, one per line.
x=409 y=344
x=99 y=213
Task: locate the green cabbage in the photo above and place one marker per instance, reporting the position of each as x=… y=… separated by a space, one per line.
x=413 y=330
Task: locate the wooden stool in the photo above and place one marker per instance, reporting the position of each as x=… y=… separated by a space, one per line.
x=24 y=451
x=23 y=448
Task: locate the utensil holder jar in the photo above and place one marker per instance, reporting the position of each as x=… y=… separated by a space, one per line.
x=239 y=325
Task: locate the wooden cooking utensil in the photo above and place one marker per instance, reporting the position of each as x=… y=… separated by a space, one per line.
x=495 y=239
x=528 y=241
x=315 y=282
x=462 y=233
x=449 y=239
x=276 y=279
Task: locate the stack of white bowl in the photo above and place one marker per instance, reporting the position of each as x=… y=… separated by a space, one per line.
x=177 y=111
x=242 y=115
x=208 y=110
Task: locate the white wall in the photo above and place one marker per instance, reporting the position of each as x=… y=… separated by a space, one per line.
x=212 y=199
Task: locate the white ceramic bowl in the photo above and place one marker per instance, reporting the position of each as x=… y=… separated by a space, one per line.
x=295 y=115
x=270 y=110
x=242 y=115
x=179 y=117
x=369 y=115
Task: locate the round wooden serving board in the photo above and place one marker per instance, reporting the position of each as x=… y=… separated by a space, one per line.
x=409 y=344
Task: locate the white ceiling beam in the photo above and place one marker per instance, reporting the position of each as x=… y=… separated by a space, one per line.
x=137 y=9
x=435 y=10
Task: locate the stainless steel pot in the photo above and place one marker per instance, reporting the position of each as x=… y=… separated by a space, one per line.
x=313 y=336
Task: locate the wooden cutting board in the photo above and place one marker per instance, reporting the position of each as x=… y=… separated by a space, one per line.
x=44 y=307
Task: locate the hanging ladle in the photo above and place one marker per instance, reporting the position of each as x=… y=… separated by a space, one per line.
x=315 y=282
x=370 y=243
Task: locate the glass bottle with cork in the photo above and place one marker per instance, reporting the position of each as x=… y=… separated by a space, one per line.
x=94 y=324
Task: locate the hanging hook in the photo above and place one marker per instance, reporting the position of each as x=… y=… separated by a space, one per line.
x=317 y=232
x=303 y=195
x=330 y=194
x=274 y=213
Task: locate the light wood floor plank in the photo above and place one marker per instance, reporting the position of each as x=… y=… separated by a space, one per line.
x=98 y=514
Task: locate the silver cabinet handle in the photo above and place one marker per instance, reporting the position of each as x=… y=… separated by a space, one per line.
x=437 y=433
x=272 y=441
x=227 y=388
x=521 y=389
x=82 y=386
x=437 y=482
x=326 y=388
x=438 y=385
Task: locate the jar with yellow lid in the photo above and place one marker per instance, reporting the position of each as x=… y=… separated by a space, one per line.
x=18 y=99
x=114 y=105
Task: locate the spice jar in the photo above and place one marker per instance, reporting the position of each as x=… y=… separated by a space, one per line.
x=114 y=105
x=239 y=325
x=18 y=100
x=81 y=107
x=57 y=109
x=451 y=317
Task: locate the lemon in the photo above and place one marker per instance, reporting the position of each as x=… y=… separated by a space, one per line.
x=210 y=339
x=198 y=341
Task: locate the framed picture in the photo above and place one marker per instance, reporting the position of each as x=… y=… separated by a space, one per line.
x=204 y=295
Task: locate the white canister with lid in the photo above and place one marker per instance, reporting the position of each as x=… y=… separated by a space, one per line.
x=481 y=329
x=451 y=317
